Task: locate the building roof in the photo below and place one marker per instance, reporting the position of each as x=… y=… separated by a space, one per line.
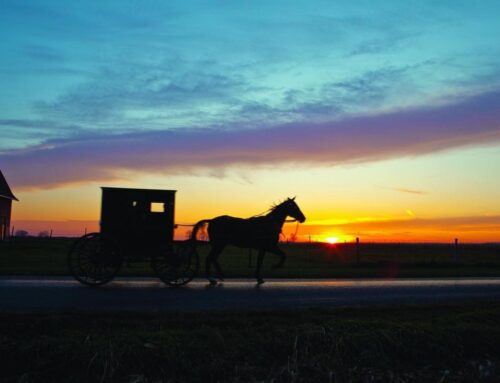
x=5 y=191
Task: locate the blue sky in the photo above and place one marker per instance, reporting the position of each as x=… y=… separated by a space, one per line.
x=93 y=92
x=76 y=69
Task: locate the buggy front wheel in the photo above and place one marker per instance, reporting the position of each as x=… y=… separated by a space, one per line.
x=93 y=260
x=178 y=266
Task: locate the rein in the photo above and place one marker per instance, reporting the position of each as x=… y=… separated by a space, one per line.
x=296 y=228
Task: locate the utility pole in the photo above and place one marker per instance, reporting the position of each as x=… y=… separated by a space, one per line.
x=357 y=250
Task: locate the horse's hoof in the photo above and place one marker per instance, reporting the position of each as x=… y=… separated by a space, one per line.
x=221 y=279
x=212 y=282
x=260 y=281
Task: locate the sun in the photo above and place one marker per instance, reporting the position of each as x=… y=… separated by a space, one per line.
x=331 y=240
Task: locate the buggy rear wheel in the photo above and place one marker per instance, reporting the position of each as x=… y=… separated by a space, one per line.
x=179 y=266
x=93 y=260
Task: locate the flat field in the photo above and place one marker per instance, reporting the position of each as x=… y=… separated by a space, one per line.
x=47 y=256
x=452 y=343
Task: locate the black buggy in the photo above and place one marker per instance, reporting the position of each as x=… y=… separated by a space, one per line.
x=137 y=225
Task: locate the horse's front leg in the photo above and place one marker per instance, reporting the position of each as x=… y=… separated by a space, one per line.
x=260 y=258
x=282 y=255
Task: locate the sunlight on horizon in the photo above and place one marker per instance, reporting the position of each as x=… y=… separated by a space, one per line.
x=341 y=202
x=332 y=240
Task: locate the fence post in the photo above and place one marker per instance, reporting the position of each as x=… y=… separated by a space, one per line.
x=455 y=254
x=357 y=250
x=249 y=257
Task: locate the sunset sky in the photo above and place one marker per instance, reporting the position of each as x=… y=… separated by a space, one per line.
x=383 y=118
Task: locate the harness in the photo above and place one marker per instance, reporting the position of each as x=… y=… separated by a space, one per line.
x=264 y=213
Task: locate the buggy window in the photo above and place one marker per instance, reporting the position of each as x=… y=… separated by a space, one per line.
x=157 y=207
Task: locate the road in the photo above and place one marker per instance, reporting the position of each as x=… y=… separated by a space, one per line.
x=147 y=294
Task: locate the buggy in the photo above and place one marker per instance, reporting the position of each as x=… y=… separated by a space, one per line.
x=137 y=225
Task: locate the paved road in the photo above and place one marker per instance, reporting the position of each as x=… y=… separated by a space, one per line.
x=25 y=294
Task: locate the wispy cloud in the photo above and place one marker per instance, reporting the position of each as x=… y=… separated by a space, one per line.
x=405 y=190
x=475 y=121
x=148 y=92
x=189 y=87
x=25 y=132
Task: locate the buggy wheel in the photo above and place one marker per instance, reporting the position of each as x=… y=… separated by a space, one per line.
x=179 y=266
x=93 y=260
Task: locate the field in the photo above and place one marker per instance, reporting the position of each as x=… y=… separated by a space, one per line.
x=410 y=343
x=47 y=256
x=455 y=343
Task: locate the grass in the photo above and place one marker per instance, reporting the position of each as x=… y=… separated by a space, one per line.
x=440 y=343
x=454 y=343
x=47 y=256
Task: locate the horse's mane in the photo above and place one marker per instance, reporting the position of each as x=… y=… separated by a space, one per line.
x=272 y=208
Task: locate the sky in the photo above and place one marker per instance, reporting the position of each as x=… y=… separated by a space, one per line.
x=382 y=118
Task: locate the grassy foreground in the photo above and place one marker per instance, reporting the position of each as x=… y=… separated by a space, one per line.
x=456 y=343
x=47 y=256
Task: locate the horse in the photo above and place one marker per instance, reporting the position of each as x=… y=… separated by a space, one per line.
x=259 y=232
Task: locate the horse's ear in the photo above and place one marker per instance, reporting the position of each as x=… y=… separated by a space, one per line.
x=293 y=199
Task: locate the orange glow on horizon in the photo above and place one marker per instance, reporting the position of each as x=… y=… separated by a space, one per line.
x=72 y=211
x=377 y=232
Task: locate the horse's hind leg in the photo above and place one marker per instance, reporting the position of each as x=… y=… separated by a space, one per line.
x=212 y=258
x=260 y=258
x=215 y=261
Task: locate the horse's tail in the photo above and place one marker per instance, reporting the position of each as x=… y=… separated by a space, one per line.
x=197 y=227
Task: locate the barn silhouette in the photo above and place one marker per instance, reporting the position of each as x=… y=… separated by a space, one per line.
x=6 y=198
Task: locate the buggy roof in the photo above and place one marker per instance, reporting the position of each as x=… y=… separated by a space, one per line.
x=144 y=193
x=137 y=189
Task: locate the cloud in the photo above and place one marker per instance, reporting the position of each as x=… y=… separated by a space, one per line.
x=25 y=131
x=373 y=46
x=470 y=223
x=42 y=53
x=171 y=88
x=35 y=124
x=405 y=190
x=93 y=157
x=177 y=91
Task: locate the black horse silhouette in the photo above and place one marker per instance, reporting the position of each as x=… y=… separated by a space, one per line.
x=259 y=232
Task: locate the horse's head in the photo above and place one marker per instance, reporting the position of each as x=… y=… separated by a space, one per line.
x=293 y=210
